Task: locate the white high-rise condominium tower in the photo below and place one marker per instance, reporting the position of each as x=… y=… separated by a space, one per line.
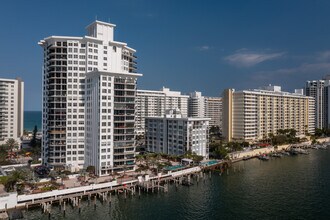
x=151 y=103
x=252 y=115
x=196 y=105
x=11 y=109
x=79 y=123
x=209 y=107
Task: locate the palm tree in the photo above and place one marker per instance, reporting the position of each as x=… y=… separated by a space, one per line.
x=160 y=166
x=139 y=158
x=83 y=173
x=63 y=176
x=158 y=157
x=53 y=175
x=11 y=144
x=139 y=170
x=124 y=168
x=147 y=158
x=90 y=170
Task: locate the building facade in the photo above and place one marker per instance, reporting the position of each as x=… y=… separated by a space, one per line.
x=67 y=62
x=154 y=104
x=176 y=135
x=252 y=115
x=196 y=105
x=110 y=118
x=11 y=109
x=318 y=90
x=213 y=110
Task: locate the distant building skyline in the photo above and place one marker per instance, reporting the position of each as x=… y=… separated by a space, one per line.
x=247 y=49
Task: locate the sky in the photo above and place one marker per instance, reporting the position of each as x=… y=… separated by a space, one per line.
x=186 y=45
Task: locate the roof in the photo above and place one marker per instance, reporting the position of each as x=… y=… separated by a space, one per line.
x=102 y=23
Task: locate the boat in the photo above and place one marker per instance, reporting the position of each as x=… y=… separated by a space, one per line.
x=323 y=147
x=293 y=152
x=296 y=151
x=263 y=157
x=314 y=147
x=276 y=155
x=285 y=153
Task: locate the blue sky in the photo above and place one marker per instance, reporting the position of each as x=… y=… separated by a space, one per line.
x=201 y=45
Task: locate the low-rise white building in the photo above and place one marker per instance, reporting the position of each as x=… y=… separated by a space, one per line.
x=175 y=135
x=11 y=109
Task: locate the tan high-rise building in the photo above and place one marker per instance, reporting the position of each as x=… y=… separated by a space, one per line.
x=252 y=115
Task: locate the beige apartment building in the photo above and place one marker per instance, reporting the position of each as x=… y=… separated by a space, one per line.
x=252 y=115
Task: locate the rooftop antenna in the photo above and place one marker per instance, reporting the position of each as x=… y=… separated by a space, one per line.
x=95 y=17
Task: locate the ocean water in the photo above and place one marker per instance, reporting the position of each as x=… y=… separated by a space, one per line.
x=296 y=187
x=32 y=118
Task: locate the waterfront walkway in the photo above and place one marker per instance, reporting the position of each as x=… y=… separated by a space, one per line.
x=12 y=200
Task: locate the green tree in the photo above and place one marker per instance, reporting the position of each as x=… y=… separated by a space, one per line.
x=63 y=177
x=160 y=166
x=18 y=176
x=221 y=153
x=197 y=158
x=25 y=132
x=53 y=175
x=33 y=142
x=139 y=158
x=11 y=144
x=90 y=169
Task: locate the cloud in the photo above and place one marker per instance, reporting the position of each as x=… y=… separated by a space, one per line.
x=306 y=70
x=204 y=48
x=245 y=58
x=323 y=56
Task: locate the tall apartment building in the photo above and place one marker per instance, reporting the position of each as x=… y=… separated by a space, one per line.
x=213 y=110
x=110 y=110
x=175 y=135
x=11 y=109
x=154 y=103
x=252 y=115
x=196 y=105
x=319 y=90
x=210 y=107
x=70 y=139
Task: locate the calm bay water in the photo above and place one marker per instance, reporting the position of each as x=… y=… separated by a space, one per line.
x=284 y=188
x=32 y=118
